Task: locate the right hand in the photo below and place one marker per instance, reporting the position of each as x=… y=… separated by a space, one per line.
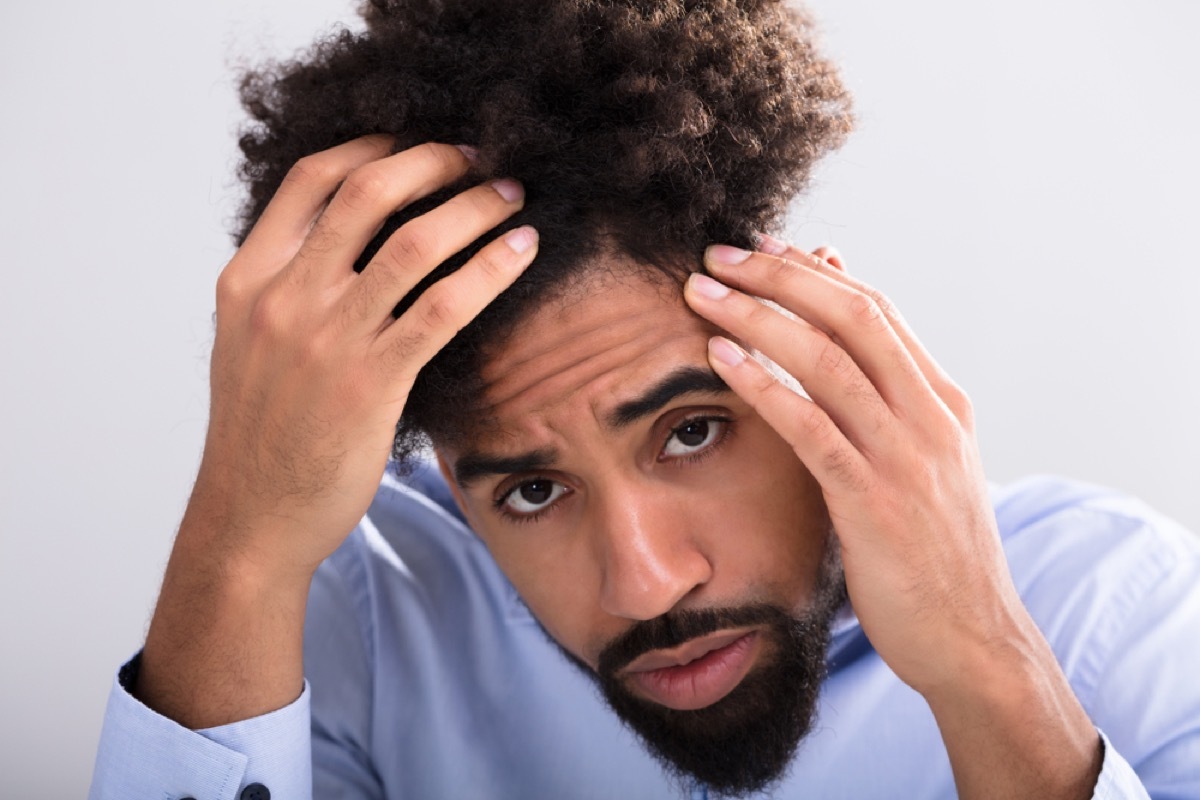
x=310 y=372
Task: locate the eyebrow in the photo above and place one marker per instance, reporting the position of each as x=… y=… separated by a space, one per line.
x=685 y=380
x=473 y=466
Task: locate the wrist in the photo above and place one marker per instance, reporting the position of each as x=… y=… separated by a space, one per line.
x=226 y=640
x=1009 y=717
x=220 y=536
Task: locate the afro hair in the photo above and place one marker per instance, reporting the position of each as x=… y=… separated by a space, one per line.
x=648 y=128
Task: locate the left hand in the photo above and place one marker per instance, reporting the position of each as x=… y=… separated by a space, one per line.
x=891 y=441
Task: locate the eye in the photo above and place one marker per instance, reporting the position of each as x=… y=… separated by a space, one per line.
x=530 y=497
x=693 y=436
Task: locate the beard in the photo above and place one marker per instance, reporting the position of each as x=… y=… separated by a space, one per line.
x=745 y=741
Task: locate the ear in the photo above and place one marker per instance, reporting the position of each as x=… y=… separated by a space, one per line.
x=448 y=476
x=831 y=255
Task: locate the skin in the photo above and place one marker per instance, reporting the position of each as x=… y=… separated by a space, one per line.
x=310 y=372
x=646 y=524
x=890 y=438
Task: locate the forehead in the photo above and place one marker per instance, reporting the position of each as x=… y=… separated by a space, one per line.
x=583 y=354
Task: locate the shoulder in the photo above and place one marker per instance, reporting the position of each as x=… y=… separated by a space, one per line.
x=1053 y=526
x=1099 y=570
x=414 y=543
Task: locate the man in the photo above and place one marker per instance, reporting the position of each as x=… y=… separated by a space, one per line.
x=808 y=594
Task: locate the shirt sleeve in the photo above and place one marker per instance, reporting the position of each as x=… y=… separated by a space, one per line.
x=1117 y=779
x=337 y=663
x=144 y=754
x=1141 y=687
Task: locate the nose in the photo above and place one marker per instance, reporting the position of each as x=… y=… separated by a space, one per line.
x=648 y=554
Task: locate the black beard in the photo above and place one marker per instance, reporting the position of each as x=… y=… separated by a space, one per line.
x=744 y=742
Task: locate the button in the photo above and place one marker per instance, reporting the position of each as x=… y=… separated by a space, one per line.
x=255 y=791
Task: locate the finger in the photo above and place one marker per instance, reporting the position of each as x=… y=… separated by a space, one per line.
x=305 y=190
x=804 y=425
x=365 y=199
x=449 y=305
x=851 y=318
x=945 y=387
x=423 y=243
x=826 y=371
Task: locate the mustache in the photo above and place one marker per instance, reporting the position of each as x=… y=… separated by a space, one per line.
x=676 y=627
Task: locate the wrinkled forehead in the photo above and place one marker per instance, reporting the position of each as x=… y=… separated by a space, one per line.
x=599 y=343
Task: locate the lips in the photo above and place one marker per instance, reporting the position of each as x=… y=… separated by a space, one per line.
x=696 y=674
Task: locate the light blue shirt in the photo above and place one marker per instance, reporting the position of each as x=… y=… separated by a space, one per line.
x=427 y=677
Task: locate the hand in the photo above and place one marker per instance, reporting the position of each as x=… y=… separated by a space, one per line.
x=310 y=372
x=891 y=441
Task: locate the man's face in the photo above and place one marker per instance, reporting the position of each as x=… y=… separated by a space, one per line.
x=660 y=531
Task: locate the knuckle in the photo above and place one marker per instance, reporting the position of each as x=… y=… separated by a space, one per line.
x=268 y=317
x=410 y=246
x=780 y=271
x=437 y=310
x=886 y=307
x=814 y=424
x=863 y=310
x=757 y=313
x=765 y=386
x=959 y=402
x=834 y=361
x=313 y=170
x=365 y=187
x=491 y=263
x=231 y=288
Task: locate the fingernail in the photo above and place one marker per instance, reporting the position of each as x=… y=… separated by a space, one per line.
x=769 y=245
x=521 y=239
x=509 y=189
x=726 y=351
x=724 y=254
x=707 y=287
x=470 y=152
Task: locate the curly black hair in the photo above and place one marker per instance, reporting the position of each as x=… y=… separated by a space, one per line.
x=646 y=128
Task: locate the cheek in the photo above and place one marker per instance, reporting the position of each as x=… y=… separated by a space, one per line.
x=772 y=518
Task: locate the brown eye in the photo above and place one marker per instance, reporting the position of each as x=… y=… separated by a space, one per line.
x=693 y=436
x=536 y=492
x=533 y=496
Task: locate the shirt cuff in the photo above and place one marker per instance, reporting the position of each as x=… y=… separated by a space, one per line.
x=1117 y=779
x=144 y=754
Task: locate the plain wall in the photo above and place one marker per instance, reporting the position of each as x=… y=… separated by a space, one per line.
x=1023 y=185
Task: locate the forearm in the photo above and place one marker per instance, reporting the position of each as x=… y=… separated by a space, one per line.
x=1013 y=728
x=226 y=640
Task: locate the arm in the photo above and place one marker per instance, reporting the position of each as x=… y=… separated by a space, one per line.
x=309 y=374
x=890 y=438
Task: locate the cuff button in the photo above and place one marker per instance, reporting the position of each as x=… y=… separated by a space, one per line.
x=255 y=791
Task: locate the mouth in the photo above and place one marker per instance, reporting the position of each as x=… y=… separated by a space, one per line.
x=696 y=674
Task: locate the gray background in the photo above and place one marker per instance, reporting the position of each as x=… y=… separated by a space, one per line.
x=1023 y=185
